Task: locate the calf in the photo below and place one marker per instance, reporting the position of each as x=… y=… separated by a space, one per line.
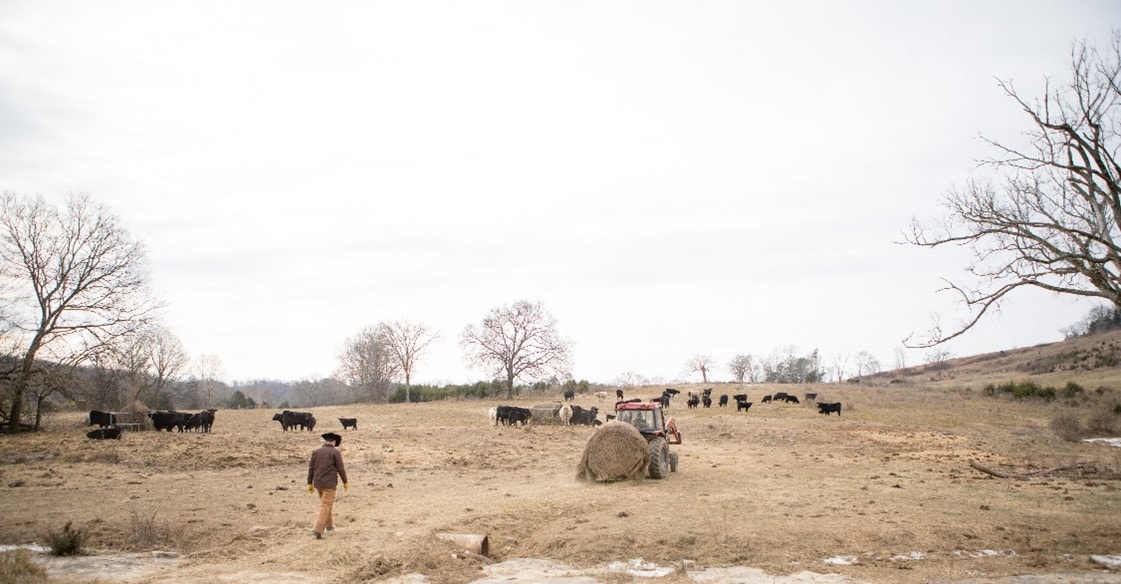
x=601 y=395
x=693 y=402
x=569 y=394
x=585 y=417
x=706 y=400
x=104 y=434
x=792 y=399
x=723 y=400
x=811 y=397
x=824 y=408
x=349 y=423
x=618 y=395
x=743 y=405
x=565 y=414
x=518 y=415
x=766 y=399
x=102 y=419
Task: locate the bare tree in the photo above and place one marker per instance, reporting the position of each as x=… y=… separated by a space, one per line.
x=631 y=379
x=901 y=357
x=840 y=364
x=866 y=364
x=78 y=281
x=209 y=370
x=1049 y=217
x=517 y=341
x=368 y=365
x=406 y=341
x=743 y=368
x=166 y=359
x=937 y=359
x=700 y=364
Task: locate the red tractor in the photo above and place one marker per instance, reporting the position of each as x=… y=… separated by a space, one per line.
x=650 y=419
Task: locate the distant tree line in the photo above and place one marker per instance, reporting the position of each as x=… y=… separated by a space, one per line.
x=1100 y=319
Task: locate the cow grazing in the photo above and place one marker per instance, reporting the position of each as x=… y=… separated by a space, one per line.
x=766 y=399
x=102 y=419
x=723 y=400
x=743 y=405
x=706 y=400
x=779 y=397
x=811 y=397
x=569 y=394
x=349 y=423
x=168 y=420
x=518 y=415
x=693 y=402
x=792 y=399
x=585 y=417
x=565 y=414
x=104 y=434
x=824 y=408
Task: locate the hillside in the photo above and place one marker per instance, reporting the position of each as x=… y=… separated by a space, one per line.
x=1092 y=361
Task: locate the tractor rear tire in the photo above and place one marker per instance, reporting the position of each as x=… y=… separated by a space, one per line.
x=659 y=458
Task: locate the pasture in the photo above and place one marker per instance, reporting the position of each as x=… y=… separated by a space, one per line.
x=884 y=492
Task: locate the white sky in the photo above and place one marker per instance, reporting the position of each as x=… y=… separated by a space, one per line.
x=668 y=178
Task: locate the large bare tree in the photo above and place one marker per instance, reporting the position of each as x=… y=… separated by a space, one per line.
x=368 y=365
x=700 y=364
x=743 y=368
x=406 y=341
x=517 y=341
x=77 y=279
x=1048 y=215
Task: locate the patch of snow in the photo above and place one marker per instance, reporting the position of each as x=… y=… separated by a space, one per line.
x=640 y=568
x=986 y=554
x=1111 y=562
x=1115 y=442
x=38 y=549
x=910 y=556
x=741 y=575
x=841 y=560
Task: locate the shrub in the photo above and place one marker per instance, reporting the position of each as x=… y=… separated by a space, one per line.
x=67 y=542
x=147 y=533
x=1072 y=389
x=1067 y=426
x=1022 y=390
x=18 y=566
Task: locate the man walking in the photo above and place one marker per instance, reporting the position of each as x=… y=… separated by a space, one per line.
x=323 y=472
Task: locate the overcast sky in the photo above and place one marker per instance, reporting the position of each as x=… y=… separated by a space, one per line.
x=667 y=178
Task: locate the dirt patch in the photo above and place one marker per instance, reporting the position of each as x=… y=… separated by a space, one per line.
x=777 y=491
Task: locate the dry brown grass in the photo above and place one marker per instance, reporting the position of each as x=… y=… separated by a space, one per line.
x=780 y=488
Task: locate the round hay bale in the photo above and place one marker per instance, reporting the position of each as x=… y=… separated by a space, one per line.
x=616 y=452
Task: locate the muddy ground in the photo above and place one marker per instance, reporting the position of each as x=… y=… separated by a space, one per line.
x=886 y=492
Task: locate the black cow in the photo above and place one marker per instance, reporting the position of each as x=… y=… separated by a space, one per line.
x=743 y=405
x=779 y=397
x=168 y=420
x=824 y=408
x=693 y=402
x=585 y=417
x=569 y=394
x=811 y=397
x=723 y=399
x=349 y=423
x=102 y=419
x=290 y=420
x=618 y=395
x=707 y=391
x=706 y=400
x=104 y=434
x=792 y=399
x=516 y=415
x=766 y=399
x=194 y=423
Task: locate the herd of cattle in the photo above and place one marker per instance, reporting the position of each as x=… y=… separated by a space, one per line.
x=197 y=422
x=570 y=414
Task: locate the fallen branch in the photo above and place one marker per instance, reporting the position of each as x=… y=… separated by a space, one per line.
x=988 y=471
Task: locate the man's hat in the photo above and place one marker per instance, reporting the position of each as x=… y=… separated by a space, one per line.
x=332 y=437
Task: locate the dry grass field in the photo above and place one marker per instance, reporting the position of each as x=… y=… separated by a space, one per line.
x=886 y=492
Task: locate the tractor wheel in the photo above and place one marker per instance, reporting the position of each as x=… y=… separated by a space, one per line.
x=673 y=462
x=659 y=458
